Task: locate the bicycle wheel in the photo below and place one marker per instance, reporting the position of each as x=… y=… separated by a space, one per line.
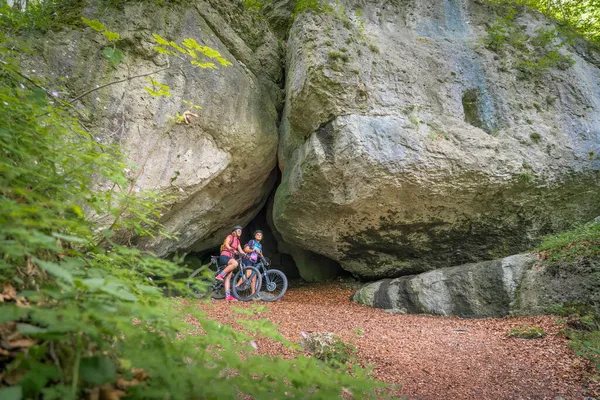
x=243 y=282
x=274 y=284
x=211 y=288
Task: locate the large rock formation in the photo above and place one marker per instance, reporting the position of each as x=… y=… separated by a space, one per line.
x=220 y=167
x=408 y=146
x=487 y=289
x=522 y=284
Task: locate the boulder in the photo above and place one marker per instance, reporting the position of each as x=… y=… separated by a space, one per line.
x=310 y=266
x=486 y=289
x=219 y=169
x=406 y=145
x=545 y=287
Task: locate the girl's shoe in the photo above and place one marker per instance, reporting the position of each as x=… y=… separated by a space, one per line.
x=230 y=298
x=220 y=278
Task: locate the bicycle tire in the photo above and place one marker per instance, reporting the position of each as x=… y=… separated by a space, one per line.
x=241 y=285
x=273 y=286
x=217 y=293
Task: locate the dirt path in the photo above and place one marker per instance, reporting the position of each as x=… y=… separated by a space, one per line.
x=433 y=357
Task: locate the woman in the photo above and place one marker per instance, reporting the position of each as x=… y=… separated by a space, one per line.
x=253 y=249
x=230 y=246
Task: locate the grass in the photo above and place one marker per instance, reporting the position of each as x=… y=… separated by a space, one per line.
x=568 y=251
x=527 y=332
x=571 y=246
x=335 y=55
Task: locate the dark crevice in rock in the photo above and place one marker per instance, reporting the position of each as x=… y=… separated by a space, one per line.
x=325 y=136
x=471 y=101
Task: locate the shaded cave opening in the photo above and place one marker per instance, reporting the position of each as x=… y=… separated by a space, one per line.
x=299 y=265
x=281 y=261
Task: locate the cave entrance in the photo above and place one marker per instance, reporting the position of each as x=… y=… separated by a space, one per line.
x=283 y=262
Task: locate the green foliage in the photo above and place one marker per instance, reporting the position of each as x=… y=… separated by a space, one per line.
x=527 y=332
x=114 y=55
x=582 y=16
x=316 y=6
x=575 y=245
x=535 y=55
x=335 y=55
x=89 y=310
x=41 y=16
x=583 y=329
x=158 y=89
x=586 y=345
x=255 y=5
x=535 y=137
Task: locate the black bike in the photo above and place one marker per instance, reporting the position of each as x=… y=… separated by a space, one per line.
x=274 y=282
x=242 y=282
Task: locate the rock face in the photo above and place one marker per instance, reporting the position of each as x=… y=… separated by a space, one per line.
x=407 y=146
x=219 y=168
x=486 y=289
x=311 y=267
x=543 y=288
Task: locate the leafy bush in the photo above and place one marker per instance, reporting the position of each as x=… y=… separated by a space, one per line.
x=527 y=332
x=83 y=315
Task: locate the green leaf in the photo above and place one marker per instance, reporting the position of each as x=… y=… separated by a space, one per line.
x=115 y=56
x=69 y=238
x=203 y=64
x=95 y=25
x=38 y=95
x=119 y=290
x=178 y=47
x=10 y=312
x=37 y=377
x=151 y=290
x=223 y=62
x=209 y=52
x=97 y=370
x=93 y=283
x=191 y=44
x=77 y=210
x=27 y=329
x=111 y=36
x=55 y=270
x=160 y=40
x=162 y=50
x=11 y=393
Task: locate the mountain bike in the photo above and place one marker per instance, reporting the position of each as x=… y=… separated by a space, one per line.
x=274 y=282
x=241 y=281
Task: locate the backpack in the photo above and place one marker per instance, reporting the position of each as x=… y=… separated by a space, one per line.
x=253 y=256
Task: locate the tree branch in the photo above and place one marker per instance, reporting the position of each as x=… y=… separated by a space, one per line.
x=115 y=82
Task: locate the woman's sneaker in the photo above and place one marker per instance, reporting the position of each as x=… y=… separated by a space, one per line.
x=230 y=298
x=220 y=278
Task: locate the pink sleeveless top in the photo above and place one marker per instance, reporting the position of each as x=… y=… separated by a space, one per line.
x=235 y=243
